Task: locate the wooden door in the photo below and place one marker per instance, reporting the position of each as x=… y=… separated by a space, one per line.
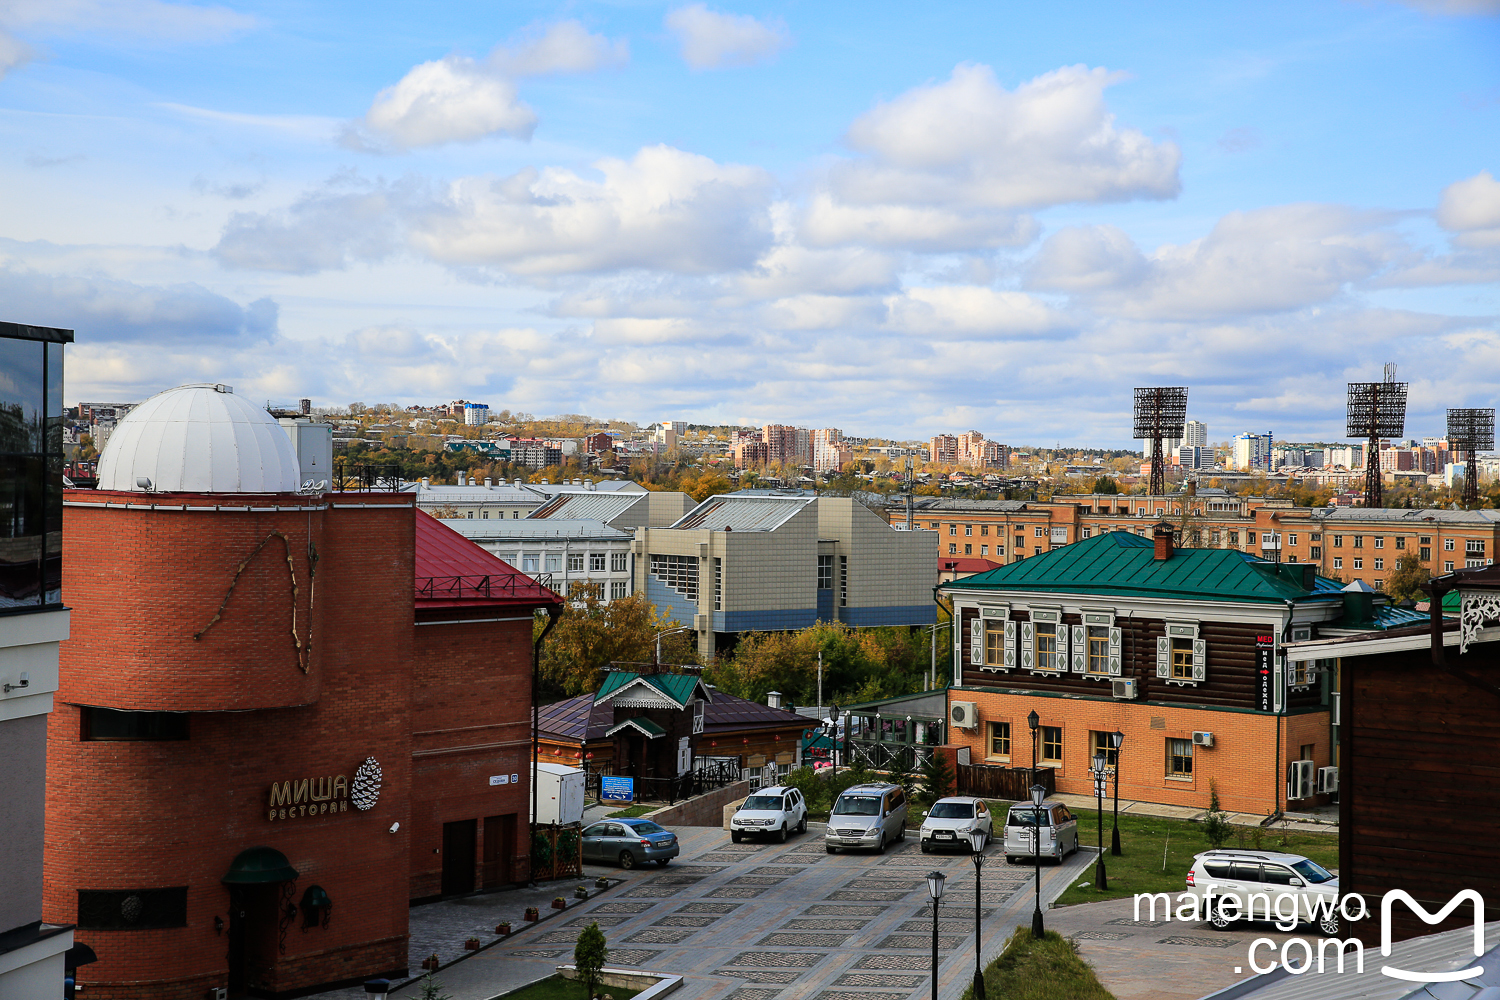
x=499 y=851
x=458 y=856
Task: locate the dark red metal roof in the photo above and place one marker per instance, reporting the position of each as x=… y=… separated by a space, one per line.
x=453 y=572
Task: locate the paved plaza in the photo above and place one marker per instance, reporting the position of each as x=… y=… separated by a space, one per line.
x=789 y=921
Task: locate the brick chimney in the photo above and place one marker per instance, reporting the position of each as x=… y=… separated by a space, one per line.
x=1162 y=534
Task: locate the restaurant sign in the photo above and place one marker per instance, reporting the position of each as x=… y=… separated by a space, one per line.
x=325 y=794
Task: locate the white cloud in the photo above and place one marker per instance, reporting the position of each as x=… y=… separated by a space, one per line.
x=968 y=141
x=959 y=312
x=827 y=222
x=1471 y=208
x=565 y=47
x=453 y=99
x=664 y=209
x=324 y=230
x=149 y=19
x=792 y=270
x=1085 y=259
x=710 y=40
x=13 y=53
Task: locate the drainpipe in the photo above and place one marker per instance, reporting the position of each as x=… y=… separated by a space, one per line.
x=554 y=612
x=953 y=672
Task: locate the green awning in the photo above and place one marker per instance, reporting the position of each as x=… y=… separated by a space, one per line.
x=257 y=866
x=645 y=726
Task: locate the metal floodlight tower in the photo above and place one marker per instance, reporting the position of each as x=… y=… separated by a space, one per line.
x=1160 y=413
x=1376 y=410
x=1471 y=430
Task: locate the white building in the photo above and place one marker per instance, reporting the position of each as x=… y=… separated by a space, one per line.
x=1252 y=452
x=1194 y=434
x=476 y=414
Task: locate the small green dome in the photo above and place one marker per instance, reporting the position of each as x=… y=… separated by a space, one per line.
x=258 y=865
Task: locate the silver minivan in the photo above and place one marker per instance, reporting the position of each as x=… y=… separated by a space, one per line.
x=870 y=815
x=1056 y=837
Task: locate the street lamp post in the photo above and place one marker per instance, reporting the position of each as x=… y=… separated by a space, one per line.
x=935 y=890
x=1101 y=879
x=833 y=734
x=1117 y=740
x=668 y=631
x=1038 y=793
x=977 y=838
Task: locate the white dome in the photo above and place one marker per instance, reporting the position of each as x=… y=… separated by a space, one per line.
x=199 y=439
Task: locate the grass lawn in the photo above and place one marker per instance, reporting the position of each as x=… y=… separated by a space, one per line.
x=558 y=988
x=633 y=812
x=1048 y=969
x=1143 y=838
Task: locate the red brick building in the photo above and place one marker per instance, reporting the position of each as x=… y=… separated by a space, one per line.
x=280 y=714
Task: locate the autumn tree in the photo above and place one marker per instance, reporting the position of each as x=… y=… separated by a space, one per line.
x=1407 y=581
x=592 y=633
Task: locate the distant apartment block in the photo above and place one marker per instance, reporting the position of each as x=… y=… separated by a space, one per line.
x=476 y=414
x=970 y=449
x=824 y=450
x=1252 y=452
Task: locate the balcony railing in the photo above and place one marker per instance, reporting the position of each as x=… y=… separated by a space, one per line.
x=461 y=588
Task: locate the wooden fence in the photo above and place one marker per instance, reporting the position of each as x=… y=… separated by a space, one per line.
x=557 y=852
x=1014 y=783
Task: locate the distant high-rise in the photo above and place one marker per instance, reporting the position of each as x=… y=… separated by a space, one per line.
x=1252 y=452
x=1194 y=434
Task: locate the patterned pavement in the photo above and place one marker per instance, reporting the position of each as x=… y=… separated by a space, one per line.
x=780 y=922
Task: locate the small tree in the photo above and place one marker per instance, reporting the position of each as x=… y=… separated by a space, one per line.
x=589 y=955
x=431 y=988
x=937 y=775
x=1408 y=579
x=1216 y=826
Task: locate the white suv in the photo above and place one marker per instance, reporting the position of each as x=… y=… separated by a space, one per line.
x=949 y=821
x=770 y=812
x=1259 y=883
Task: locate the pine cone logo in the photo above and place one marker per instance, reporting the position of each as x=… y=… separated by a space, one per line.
x=366 y=790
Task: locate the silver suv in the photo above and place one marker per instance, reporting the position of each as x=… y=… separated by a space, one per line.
x=1265 y=885
x=1057 y=836
x=871 y=815
x=771 y=812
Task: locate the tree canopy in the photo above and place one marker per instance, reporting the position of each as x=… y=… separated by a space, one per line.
x=593 y=633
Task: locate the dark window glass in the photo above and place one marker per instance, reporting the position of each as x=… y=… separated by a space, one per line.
x=1246 y=872
x=131 y=909
x=1216 y=869
x=952 y=810
x=1277 y=875
x=108 y=724
x=31 y=433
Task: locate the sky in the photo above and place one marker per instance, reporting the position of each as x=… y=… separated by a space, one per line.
x=892 y=218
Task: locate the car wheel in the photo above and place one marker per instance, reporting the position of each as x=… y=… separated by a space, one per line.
x=663 y=862
x=734 y=835
x=1219 y=918
x=627 y=860
x=830 y=850
x=1329 y=923
x=781 y=835
x=802 y=824
x=880 y=844
x=926 y=848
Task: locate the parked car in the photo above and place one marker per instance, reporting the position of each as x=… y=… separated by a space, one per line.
x=870 y=815
x=771 y=812
x=627 y=842
x=1258 y=880
x=950 y=820
x=1056 y=837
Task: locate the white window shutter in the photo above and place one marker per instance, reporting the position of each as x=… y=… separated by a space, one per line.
x=1114 y=652
x=1010 y=645
x=1200 y=660
x=1164 y=657
x=976 y=641
x=1028 y=659
x=1080 y=650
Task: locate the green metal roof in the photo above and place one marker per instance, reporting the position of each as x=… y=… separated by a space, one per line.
x=1121 y=563
x=648 y=728
x=678 y=687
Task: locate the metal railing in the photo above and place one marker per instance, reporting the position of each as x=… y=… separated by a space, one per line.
x=360 y=477
x=455 y=588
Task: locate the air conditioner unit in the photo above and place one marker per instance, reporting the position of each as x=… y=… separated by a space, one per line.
x=1301 y=780
x=1335 y=709
x=965 y=714
x=1328 y=780
x=1203 y=739
x=700 y=623
x=1123 y=688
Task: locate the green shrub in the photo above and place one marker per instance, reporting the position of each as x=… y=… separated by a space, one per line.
x=813 y=787
x=1216 y=825
x=937 y=776
x=589 y=956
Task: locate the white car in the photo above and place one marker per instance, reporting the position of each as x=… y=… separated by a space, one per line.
x=950 y=821
x=773 y=812
x=1259 y=882
x=1056 y=838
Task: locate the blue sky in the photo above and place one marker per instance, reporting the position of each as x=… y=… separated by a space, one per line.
x=893 y=220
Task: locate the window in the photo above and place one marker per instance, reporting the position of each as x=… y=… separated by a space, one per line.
x=1338 y=541
x=1234 y=538
x=1424 y=540
x=999 y=739
x=984 y=550
x=1474 y=547
x=953 y=548
x=1316 y=536
x=31 y=456
x=1020 y=543
x=1359 y=563
x=1045 y=637
x=843 y=581
x=1250 y=537
x=1448 y=567
x=1052 y=745
x=984 y=529
x=596 y=562
x=617 y=591
x=1037 y=549
x=529 y=564
x=968 y=529
x=933 y=525
x=131 y=909
x=484 y=514
x=1425 y=554
x=718 y=584
x=999 y=550
x=108 y=724
x=1316 y=552
x=575 y=562
x=1291 y=539
x=617 y=562
x=1400 y=542
x=825 y=572
x=1086 y=533
x=1299 y=672
x=1379 y=542
x=952 y=529
x=679 y=573
x=1179 y=758
x=1039 y=532
x=1098 y=651
x=1182 y=659
x=1338 y=562
x=1447 y=545
x=1101 y=741
x=968 y=549
x=1380 y=564
x=1359 y=541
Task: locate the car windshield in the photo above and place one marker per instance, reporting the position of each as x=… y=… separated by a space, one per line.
x=857 y=805
x=1312 y=871
x=952 y=810
x=644 y=826
x=772 y=802
x=1026 y=816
